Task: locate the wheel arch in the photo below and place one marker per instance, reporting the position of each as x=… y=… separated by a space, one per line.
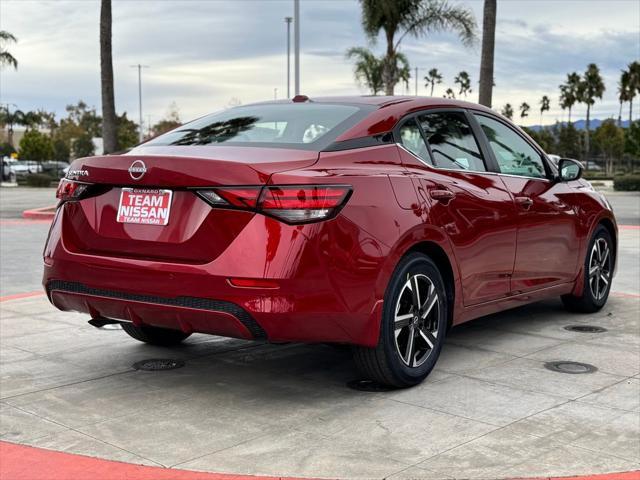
x=609 y=223
x=436 y=253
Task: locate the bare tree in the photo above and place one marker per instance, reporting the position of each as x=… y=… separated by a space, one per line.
x=109 y=128
x=488 y=48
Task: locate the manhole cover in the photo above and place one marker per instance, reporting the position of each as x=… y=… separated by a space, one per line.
x=570 y=367
x=368 y=386
x=111 y=326
x=155 y=364
x=585 y=328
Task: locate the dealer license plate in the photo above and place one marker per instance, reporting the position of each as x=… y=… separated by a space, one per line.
x=144 y=206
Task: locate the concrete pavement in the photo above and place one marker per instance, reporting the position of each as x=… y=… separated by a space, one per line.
x=489 y=410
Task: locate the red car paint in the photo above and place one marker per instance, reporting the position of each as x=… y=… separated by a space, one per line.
x=247 y=274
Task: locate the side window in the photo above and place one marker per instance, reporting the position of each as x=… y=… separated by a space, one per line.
x=451 y=141
x=411 y=139
x=514 y=155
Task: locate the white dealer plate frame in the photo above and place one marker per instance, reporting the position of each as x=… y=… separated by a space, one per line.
x=148 y=191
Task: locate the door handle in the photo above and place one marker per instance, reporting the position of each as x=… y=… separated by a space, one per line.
x=443 y=196
x=524 y=202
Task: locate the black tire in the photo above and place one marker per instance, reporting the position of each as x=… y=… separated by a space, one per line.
x=593 y=298
x=163 y=337
x=384 y=363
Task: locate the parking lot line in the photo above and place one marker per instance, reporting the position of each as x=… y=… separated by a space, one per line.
x=18 y=296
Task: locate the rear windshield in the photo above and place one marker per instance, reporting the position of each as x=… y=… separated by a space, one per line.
x=305 y=126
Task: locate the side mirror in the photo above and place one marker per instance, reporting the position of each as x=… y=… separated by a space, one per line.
x=569 y=170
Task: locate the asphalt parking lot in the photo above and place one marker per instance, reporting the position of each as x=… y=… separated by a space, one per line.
x=490 y=409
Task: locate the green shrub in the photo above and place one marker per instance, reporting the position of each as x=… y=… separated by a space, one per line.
x=38 y=180
x=591 y=175
x=627 y=183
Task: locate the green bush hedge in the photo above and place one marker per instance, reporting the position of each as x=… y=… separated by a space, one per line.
x=38 y=180
x=627 y=183
x=591 y=175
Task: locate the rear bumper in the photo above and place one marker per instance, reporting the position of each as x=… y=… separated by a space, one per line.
x=325 y=293
x=188 y=314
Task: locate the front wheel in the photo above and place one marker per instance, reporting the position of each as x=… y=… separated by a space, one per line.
x=598 y=273
x=413 y=326
x=163 y=337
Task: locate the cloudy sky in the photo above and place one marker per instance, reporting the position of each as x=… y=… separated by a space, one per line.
x=203 y=54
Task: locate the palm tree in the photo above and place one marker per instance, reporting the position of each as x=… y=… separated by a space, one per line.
x=433 y=78
x=624 y=92
x=464 y=81
x=488 y=47
x=524 y=110
x=569 y=92
x=5 y=57
x=590 y=88
x=367 y=69
x=634 y=86
x=109 y=128
x=31 y=120
x=507 y=111
x=545 y=105
x=416 y=18
x=449 y=93
x=10 y=119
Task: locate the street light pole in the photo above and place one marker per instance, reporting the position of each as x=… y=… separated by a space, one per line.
x=140 y=67
x=296 y=39
x=288 y=22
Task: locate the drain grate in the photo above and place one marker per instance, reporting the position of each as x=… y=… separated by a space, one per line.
x=368 y=386
x=570 y=367
x=585 y=328
x=156 y=364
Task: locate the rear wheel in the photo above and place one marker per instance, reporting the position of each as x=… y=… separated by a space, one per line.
x=155 y=336
x=598 y=272
x=413 y=326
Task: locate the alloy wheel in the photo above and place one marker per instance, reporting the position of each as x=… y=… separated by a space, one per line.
x=599 y=268
x=416 y=323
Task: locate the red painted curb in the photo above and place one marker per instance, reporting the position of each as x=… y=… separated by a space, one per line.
x=20 y=462
x=17 y=296
x=604 y=476
x=44 y=213
x=629 y=227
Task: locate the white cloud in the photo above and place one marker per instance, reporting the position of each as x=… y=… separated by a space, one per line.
x=203 y=53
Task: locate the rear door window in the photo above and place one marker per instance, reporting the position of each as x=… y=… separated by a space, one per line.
x=451 y=141
x=306 y=125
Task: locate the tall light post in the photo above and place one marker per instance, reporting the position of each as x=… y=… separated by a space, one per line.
x=416 y=70
x=288 y=22
x=140 y=67
x=296 y=39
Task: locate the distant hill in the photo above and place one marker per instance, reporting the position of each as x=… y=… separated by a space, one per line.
x=579 y=124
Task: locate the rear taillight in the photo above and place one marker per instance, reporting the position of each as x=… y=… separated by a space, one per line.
x=293 y=204
x=70 y=190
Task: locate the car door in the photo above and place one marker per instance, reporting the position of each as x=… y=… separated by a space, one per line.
x=548 y=244
x=461 y=196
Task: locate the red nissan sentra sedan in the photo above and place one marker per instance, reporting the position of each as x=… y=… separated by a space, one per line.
x=378 y=222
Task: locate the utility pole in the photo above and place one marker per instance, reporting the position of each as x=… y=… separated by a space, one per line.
x=296 y=39
x=275 y=93
x=140 y=67
x=417 y=69
x=288 y=22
